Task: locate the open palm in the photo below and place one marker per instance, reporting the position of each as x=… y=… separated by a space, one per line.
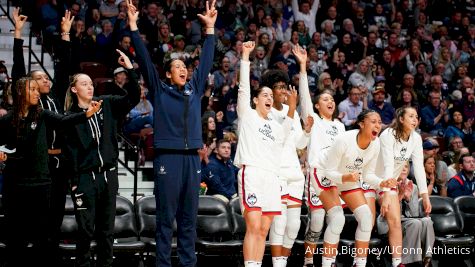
x=210 y=16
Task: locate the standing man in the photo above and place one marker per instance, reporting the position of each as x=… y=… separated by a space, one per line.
x=177 y=124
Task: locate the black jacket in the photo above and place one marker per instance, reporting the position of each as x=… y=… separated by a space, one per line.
x=29 y=164
x=93 y=145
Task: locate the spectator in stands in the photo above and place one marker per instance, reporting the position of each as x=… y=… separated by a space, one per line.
x=463 y=183
x=83 y=45
x=455 y=144
x=434 y=116
x=329 y=40
x=306 y=13
x=437 y=84
x=454 y=168
x=141 y=116
x=362 y=77
x=385 y=109
x=468 y=104
x=459 y=126
x=351 y=107
x=150 y=21
x=234 y=55
x=177 y=163
x=109 y=10
x=432 y=187
x=220 y=173
x=223 y=76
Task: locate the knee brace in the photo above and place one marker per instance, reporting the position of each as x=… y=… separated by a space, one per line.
x=314 y=228
x=277 y=228
x=335 y=223
x=365 y=223
x=292 y=227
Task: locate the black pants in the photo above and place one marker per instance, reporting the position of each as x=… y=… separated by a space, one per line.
x=27 y=220
x=59 y=187
x=94 y=204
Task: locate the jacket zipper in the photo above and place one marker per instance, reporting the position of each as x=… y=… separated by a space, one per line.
x=185 y=118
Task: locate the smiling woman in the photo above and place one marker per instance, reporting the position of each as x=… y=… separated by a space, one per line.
x=27 y=180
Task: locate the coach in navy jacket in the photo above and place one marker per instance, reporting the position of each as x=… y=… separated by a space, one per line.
x=177 y=138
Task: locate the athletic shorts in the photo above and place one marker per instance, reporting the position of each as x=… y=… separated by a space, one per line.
x=311 y=198
x=291 y=190
x=259 y=190
x=319 y=182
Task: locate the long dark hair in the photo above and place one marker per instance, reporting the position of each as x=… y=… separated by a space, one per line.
x=397 y=125
x=20 y=103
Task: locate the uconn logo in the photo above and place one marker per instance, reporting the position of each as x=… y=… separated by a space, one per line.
x=402 y=155
x=356 y=164
x=267 y=132
x=333 y=131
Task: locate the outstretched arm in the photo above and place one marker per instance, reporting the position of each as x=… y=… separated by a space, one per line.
x=244 y=92
x=18 y=69
x=305 y=99
x=206 y=60
x=147 y=68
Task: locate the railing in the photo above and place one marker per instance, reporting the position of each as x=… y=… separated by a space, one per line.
x=31 y=53
x=135 y=171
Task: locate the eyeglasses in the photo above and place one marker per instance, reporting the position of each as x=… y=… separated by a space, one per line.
x=279 y=87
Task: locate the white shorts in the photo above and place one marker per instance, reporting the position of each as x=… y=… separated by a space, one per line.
x=311 y=198
x=367 y=190
x=291 y=190
x=259 y=190
x=319 y=182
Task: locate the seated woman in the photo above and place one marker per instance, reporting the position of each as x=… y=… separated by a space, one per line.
x=418 y=231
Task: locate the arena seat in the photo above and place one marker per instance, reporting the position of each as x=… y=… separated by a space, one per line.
x=100 y=85
x=466 y=208
x=448 y=226
x=238 y=222
x=145 y=209
x=214 y=230
x=126 y=239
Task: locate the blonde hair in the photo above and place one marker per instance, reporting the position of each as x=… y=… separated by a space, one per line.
x=69 y=100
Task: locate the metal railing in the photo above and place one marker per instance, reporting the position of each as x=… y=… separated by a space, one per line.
x=130 y=146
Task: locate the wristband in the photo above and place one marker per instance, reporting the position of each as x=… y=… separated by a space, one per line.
x=65 y=33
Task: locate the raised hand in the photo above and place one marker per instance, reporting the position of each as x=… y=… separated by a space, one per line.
x=210 y=16
x=94 y=107
x=19 y=19
x=133 y=15
x=292 y=97
x=66 y=21
x=124 y=60
x=308 y=124
x=219 y=116
x=300 y=54
x=247 y=48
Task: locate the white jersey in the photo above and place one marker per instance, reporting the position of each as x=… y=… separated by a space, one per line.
x=297 y=139
x=345 y=156
x=394 y=155
x=323 y=131
x=261 y=140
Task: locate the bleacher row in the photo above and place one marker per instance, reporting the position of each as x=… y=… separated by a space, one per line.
x=221 y=229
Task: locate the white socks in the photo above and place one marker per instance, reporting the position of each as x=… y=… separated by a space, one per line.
x=360 y=262
x=328 y=261
x=252 y=264
x=307 y=260
x=279 y=261
x=396 y=262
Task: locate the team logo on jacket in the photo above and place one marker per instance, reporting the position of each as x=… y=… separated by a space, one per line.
x=251 y=199
x=333 y=131
x=267 y=131
x=162 y=170
x=326 y=182
x=33 y=125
